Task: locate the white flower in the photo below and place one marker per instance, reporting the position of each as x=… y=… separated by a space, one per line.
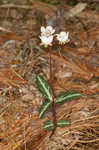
x=48 y=31
x=46 y=40
x=62 y=37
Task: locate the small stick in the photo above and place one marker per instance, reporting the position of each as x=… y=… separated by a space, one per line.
x=4 y=29
x=75 y=10
x=16 y=6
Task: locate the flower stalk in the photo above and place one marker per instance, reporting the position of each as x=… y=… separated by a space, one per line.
x=53 y=97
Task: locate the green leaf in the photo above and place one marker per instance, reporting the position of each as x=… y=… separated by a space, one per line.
x=48 y=125
x=67 y=96
x=44 y=87
x=45 y=106
x=63 y=123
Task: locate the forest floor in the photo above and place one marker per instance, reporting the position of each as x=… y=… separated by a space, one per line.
x=75 y=68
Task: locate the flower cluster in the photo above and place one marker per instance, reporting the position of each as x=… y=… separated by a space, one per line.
x=47 y=35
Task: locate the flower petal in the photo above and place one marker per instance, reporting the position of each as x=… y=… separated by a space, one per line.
x=50 y=28
x=43 y=29
x=50 y=38
x=46 y=40
x=63 y=33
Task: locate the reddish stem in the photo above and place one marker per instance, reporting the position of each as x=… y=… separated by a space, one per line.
x=53 y=98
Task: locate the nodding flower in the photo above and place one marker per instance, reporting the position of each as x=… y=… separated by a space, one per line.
x=62 y=37
x=46 y=41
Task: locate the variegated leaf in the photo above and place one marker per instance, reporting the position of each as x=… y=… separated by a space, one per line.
x=67 y=96
x=46 y=105
x=44 y=87
x=48 y=125
x=63 y=123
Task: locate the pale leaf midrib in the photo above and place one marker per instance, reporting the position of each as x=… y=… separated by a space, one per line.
x=49 y=96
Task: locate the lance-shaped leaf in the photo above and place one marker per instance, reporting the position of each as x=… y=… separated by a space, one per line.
x=48 y=125
x=45 y=106
x=67 y=96
x=63 y=123
x=44 y=87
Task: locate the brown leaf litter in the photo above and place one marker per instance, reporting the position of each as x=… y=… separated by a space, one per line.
x=75 y=68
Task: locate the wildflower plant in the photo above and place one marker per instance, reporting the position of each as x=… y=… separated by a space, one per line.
x=47 y=36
